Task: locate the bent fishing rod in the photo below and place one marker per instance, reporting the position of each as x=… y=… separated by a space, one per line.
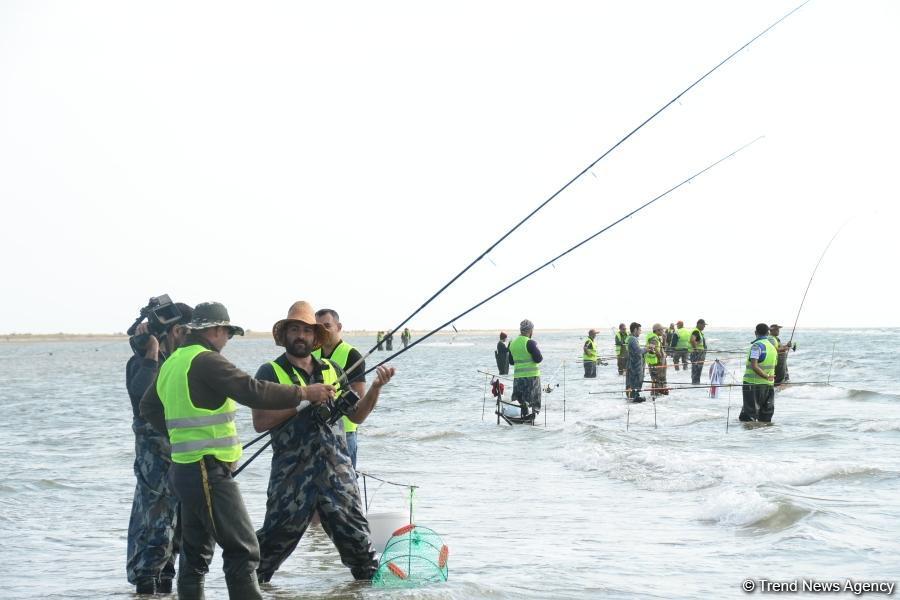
x=504 y=289
x=816 y=268
x=576 y=178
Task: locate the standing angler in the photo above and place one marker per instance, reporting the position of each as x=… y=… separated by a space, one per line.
x=759 y=378
x=342 y=354
x=682 y=344
x=589 y=355
x=621 y=348
x=404 y=337
x=501 y=354
x=311 y=468
x=525 y=355
x=698 y=351
x=781 y=369
x=634 y=372
x=656 y=361
x=193 y=402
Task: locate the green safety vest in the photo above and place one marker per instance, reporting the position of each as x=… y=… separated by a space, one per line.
x=329 y=376
x=702 y=344
x=591 y=352
x=684 y=339
x=194 y=432
x=525 y=365
x=621 y=337
x=767 y=364
x=339 y=357
x=652 y=358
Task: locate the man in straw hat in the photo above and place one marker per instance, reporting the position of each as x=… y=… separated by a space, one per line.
x=193 y=402
x=311 y=468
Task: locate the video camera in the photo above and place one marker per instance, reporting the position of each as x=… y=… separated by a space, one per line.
x=161 y=313
x=331 y=412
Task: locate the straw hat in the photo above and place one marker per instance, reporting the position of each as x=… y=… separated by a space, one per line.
x=300 y=311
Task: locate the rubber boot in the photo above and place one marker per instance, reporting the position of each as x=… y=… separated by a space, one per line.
x=190 y=589
x=145 y=585
x=243 y=588
x=164 y=585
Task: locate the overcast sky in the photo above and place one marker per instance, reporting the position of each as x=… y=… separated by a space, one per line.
x=359 y=154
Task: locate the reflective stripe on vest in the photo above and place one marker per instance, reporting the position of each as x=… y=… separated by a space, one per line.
x=195 y=432
x=620 y=337
x=591 y=352
x=524 y=363
x=652 y=358
x=684 y=339
x=766 y=363
x=702 y=344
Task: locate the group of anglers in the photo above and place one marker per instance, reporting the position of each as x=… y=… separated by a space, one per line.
x=386 y=340
x=185 y=395
x=766 y=364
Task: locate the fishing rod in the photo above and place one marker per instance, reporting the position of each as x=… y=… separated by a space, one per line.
x=564 y=253
x=579 y=175
x=811 y=279
x=514 y=283
x=544 y=203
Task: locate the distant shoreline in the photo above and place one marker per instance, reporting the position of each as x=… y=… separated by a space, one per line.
x=114 y=337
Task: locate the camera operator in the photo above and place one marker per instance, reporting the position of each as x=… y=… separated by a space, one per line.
x=152 y=537
x=311 y=467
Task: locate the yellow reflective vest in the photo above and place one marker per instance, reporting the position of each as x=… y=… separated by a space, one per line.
x=194 y=432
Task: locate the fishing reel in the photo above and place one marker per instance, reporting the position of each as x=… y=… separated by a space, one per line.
x=330 y=412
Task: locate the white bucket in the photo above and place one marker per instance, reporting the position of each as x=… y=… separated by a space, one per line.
x=383 y=524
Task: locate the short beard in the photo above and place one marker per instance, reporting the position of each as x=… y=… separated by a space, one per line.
x=297 y=353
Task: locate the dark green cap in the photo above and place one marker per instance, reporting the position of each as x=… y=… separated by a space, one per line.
x=212 y=314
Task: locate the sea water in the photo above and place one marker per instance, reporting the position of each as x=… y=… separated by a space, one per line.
x=599 y=498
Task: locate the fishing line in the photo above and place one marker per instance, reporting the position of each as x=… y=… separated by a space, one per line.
x=811 y=279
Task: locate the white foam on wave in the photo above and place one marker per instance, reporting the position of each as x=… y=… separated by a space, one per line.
x=736 y=507
x=878 y=426
x=667 y=468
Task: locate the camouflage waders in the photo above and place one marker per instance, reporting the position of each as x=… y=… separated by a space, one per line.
x=311 y=472
x=527 y=391
x=153 y=537
x=658 y=379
